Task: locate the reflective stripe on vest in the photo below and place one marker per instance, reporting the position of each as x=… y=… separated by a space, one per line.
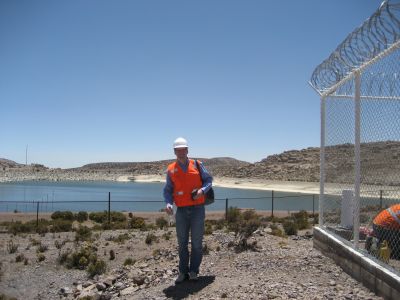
x=184 y=183
x=395 y=215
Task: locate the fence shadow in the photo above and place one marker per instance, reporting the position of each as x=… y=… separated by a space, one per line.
x=186 y=288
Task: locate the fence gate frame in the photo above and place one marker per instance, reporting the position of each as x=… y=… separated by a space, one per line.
x=376 y=39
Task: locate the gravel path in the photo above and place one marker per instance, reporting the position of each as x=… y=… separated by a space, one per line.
x=281 y=268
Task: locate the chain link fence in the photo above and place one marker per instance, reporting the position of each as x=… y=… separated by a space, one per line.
x=359 y=85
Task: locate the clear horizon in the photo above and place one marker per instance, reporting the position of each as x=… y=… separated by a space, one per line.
x=98 y=81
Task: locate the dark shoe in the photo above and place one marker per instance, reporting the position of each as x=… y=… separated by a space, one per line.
x=193 y=276
x=181 y=278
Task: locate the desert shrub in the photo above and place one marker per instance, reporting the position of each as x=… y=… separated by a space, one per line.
x=118 y=217
x=19 y=227
x=11 y=247
x=167 y=235
x=63 y=215
x=112 y=254
x=290 y=227
x=150 y=238
x=301 y=219
x=220 y=224
x=82 y=258
x=208 y=229
x=276 y=231
x=161 y=222
x=5 y=297
x=19 y=258
x=81 y=216
x=97 y=268
x=137 y=223
x=129 y=261
x=102 y=217
x=114 y=225
x=40 y=257
x=62 y=257
x=61 y=225
x=156 y=252
x=41 y=248
x=83 y=233
x=120 y=239
x=59 y=244
x=233 y=215
x=34 y=242
x=243 y=225
x=99 y=217
x=206 y=249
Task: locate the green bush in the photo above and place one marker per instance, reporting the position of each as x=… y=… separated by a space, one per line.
x=120 y=239
x=161 y=222
x=41 y=248
x=290 y=227
x=11 y=247
x=233 y=215
x=150 y=238
x=102 y=217
x=81 y=216
x=19 y=258
x=301 y=219
x=40 y=257
x=63 y=215
x=99 y=217
x=80 y=259
x=208 y=229
x=97 y=268
x=129 y=261
x=137 y=223
x=61 y=225
x=83 y=233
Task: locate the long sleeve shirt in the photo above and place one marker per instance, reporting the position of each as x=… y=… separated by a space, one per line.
x=169 y=186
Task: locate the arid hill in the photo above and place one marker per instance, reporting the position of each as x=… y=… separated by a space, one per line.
x=379 y=165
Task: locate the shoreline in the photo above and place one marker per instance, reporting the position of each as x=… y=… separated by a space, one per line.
x=247 y=184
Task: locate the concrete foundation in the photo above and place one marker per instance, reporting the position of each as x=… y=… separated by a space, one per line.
x=377 y=278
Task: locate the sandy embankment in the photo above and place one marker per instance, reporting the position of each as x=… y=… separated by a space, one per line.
x=248 y=184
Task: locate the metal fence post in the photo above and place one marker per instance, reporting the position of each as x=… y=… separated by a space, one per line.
x=313 y=208
x=322 y=165
x=381 y=198
x=357 y=171
x=109 y=207
x=37 y=215
x=272 y=204
x=226 y=209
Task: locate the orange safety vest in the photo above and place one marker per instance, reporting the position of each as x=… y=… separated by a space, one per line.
x=389 y=218
x=184 y=183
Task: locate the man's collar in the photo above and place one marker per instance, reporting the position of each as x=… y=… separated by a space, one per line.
x=185 y=164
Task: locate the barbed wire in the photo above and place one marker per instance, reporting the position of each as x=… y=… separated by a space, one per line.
x=374 y=36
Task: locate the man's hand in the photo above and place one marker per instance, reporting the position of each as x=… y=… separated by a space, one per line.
x=169 y=209
x=199 y=194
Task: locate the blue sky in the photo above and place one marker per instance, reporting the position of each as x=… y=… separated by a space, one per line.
x=95 y=81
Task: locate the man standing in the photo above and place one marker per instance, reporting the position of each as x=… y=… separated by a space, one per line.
x=186 y=186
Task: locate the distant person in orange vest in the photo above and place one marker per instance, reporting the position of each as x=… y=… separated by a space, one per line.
x=186 y=186
x=386 y=226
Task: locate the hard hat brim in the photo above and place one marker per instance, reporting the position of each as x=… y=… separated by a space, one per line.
x=180 y=146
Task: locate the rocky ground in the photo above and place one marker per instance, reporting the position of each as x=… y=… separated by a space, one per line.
x=281 y=268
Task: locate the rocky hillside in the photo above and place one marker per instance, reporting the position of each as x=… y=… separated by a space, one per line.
x=379 y=165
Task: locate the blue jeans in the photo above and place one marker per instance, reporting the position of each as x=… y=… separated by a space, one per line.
x=190 y=218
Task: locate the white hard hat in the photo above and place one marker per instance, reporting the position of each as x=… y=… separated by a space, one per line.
x=180 y=142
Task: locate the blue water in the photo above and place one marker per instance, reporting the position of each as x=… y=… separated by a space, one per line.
x=133 y=196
